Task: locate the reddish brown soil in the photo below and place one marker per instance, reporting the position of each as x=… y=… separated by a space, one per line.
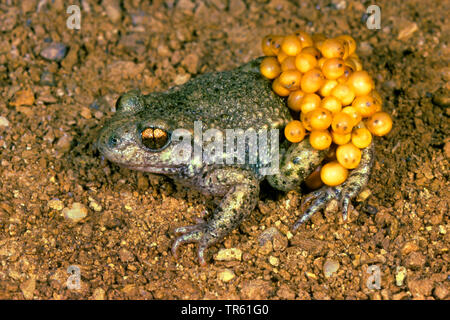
x=122 y=246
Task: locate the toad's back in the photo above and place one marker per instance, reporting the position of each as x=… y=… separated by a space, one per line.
x=232 y=99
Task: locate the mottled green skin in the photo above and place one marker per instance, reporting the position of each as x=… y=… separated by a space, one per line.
x=240 y=98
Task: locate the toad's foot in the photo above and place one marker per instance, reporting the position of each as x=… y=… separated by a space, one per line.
x=343 y=193
x=194 y=233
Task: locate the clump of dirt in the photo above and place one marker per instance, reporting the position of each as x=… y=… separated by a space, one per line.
x=61 y=205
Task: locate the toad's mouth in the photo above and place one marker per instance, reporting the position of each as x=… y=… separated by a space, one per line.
x=131 y=161
x=163 y=169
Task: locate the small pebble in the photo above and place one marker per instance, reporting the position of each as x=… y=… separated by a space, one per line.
x=226 y=275
x=130 y=289
x=4 y=123
x=28 y=288
x=86 y=113
x=407 y=30
x=256 y=289
x=237 y=7
x=63 y=144
x=47 y=97
x=447 y=149
x=76 y=213
x=25 y=110
x=415 y=260
x=274 y=261
x=365 y=48
x=229 y=254
x=332 y=207
x=339 y=4
x=266 y=248
x=98 y=115
x=441 y=292
x=139 y=18
x=28 y=6
x=185 y=6
x=268 y=235
x=330 y=267
x=442 y=98
x=409 y=247
x=400 y=276
x=56 y=204
x=95 y=206
x=446 y=73
x=420 y=287
x=112 y=8
x=182 y=78
x=59 y=92
x=191 y=63
x=286 y=293
x=363 y=195
x=23 y=98
x=99 y=294
x=119 y=70
x=54 y=52
x=125 y=255
x=47 y=79
x=311 y=275
x=8 y=20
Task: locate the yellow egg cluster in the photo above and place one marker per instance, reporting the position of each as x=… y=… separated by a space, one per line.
x=324 y=81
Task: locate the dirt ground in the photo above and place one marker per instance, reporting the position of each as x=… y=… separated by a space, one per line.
x=62 y=205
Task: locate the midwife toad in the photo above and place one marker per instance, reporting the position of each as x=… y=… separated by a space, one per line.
x=140 y=137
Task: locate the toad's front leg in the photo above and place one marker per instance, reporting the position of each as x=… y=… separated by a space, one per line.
x=240 y=189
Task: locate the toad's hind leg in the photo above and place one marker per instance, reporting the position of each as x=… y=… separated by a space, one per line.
x=296 y=164
x=345 y=192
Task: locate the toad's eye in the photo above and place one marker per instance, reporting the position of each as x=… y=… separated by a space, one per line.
x=154 y=138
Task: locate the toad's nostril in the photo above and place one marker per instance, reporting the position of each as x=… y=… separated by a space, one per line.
x=113 y=141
